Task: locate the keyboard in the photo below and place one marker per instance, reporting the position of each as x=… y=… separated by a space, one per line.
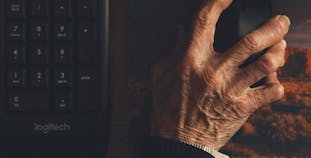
x=53 y=78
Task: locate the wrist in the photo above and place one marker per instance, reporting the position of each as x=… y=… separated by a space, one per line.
x=213 y=152
x=215 y=136
x=189 y=135
x=204 y=138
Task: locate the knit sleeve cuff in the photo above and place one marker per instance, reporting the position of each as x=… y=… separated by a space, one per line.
x=209 y=150
x=163 y=148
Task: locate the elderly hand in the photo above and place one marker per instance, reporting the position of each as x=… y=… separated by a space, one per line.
x=203 y=97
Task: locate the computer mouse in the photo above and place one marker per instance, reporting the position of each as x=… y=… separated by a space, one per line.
x=239 y=19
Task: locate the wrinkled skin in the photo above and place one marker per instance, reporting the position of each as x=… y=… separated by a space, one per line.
x=203 y=97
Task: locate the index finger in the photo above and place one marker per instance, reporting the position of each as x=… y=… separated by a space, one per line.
x=205 y=24
x=264 y=37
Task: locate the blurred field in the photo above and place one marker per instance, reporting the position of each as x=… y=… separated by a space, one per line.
x=282 y=128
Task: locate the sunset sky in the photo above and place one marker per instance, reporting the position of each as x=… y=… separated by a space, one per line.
x=300 y=36
x=300 y=14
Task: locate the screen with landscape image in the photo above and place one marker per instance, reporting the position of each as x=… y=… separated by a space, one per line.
x=282 y=129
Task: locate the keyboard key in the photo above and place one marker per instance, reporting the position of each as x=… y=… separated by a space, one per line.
x=16 y=8
x=63 y=55
x=87 y=43
x=87 y=8
x=39 y=79
x=39 y=32
x=39 y=55
x=17 y=78
x=62 y=32
x=15 y=103
x=16 y=31
x=39 y=8
x=28 y=101
x=16 y=55
x=63 y=102
x=63 y=78
x=62 y=8
x=88 y=94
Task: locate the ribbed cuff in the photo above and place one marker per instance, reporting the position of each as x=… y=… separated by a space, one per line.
x=162 y=148
x=209 y=150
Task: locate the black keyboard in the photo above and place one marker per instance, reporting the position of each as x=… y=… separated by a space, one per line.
x=53 y=78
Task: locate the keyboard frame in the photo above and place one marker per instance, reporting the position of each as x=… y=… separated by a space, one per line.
x=94 y=125
x=2 y=62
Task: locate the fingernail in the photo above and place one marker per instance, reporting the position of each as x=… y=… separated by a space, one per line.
x=284 y=20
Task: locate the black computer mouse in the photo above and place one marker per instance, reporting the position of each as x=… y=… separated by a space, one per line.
x=239 y=19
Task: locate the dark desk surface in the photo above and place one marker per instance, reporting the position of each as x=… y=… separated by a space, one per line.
x=130 y=63
x=118 y=146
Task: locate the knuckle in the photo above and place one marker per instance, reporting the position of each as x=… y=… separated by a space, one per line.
x=283 y=60
x=279 y=52
x=246 y=108
x=204 y=19
x=280 y=47
x=250 y=42
x=206 y=15
x=281 y=55
x=268 y=63
x=278 y=91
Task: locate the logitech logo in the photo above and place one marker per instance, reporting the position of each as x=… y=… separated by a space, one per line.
x=51 y=127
